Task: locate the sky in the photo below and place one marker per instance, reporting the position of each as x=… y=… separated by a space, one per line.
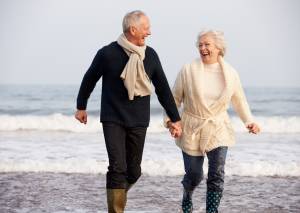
x=54 y=42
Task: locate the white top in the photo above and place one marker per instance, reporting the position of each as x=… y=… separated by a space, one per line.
x=213 y=83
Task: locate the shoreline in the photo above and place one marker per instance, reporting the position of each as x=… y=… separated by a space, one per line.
x=62 y=192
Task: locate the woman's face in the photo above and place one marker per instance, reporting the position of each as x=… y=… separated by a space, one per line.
x=208 y=50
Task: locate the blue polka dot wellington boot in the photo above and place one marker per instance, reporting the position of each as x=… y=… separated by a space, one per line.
x=213 y=198
x=187 y=204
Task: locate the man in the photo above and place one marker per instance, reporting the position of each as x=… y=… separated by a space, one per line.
x=126 y=66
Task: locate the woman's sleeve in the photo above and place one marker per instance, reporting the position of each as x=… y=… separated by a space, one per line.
x=178 y=93
x=240 y=103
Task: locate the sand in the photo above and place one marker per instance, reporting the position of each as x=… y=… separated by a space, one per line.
x=58 y=193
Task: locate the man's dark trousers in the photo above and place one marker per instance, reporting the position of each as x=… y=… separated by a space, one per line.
x=125 y=149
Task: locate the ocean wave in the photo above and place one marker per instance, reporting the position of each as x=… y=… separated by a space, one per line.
x=150 y=167
x=59 y=122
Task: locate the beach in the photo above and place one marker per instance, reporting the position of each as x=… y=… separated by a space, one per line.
x=39 y=183
x=58 y=193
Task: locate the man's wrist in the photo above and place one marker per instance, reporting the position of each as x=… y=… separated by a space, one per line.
x=177 y=123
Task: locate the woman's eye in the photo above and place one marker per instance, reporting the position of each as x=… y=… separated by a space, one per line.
x=206 y=44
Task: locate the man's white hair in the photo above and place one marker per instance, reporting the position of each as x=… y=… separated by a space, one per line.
x=132 y=19
x=218 y=37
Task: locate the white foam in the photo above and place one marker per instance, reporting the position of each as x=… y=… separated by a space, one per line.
x=149 y=167
x=59 y=122
x=275 y=124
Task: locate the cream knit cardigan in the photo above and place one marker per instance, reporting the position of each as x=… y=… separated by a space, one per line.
x=206 y=128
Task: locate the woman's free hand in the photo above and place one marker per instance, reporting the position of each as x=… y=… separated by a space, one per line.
x=253 y=128
x=175 y=129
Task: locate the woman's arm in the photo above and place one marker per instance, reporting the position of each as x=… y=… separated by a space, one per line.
x=241 y=106
x=178 y=94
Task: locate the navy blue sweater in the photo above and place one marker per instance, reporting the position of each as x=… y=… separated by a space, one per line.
x=116 y=107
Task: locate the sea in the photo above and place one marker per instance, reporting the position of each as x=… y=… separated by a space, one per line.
x=50 y=162
x=39 y=134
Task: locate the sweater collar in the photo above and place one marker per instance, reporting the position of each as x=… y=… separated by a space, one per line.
x=198 y=75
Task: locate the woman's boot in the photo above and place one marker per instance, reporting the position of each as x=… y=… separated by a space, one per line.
x=127 y=187
x=115 y=200
x=213 y=199
x=187 y=204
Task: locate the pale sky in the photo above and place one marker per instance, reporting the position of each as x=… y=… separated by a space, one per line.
x=54 y=42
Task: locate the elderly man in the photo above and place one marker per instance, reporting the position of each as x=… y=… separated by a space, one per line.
x=127 y=67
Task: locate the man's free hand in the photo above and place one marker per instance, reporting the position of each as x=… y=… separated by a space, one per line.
x=175 y=129
x=81 y=116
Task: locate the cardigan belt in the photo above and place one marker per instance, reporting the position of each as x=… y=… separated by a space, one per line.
x=197 y=130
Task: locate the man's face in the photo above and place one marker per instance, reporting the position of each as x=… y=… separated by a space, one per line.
x=140 y=34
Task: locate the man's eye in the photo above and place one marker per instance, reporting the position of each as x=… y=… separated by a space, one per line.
x=206 y=44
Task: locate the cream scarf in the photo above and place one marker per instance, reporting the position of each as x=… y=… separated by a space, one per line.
x=134 y=76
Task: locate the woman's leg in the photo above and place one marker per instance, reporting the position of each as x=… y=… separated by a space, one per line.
x=193 y=166
x=215 y=180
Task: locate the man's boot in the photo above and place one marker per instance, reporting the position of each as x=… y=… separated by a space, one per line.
x=187 y=204
x=213 y=199
x=127 y=187
x=115 y=200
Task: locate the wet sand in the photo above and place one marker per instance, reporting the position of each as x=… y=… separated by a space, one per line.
x=48 y=192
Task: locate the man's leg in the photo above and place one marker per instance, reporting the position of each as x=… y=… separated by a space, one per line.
x=135 y=140
x=115 y=135
x=216 y=175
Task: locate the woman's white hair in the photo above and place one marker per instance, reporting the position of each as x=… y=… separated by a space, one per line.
x=132 y=19
x=218 y=37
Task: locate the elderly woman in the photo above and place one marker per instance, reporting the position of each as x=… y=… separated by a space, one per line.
x=206 y=86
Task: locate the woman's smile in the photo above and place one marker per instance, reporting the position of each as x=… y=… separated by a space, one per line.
x=208 y=50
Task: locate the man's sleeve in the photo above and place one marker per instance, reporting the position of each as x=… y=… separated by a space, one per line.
x=163 y=91
x=89 y=80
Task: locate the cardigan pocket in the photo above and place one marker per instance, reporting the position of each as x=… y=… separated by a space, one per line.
x=220 y=135
x=223 y=135
x=189 y=124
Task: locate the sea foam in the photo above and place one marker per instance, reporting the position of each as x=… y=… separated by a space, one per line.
x=59 y=122
x=149 y=167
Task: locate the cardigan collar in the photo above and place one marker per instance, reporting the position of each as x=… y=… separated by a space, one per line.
x=197 y=69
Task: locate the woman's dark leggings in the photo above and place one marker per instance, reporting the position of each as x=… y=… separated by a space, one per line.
x=125 y=149
x=193 y=166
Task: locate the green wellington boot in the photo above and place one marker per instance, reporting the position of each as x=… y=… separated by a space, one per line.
x=128 y=186
x=115 y=200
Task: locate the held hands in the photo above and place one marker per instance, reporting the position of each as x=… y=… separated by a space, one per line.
x=81 y=116
x=253 y=128
x=175 y=129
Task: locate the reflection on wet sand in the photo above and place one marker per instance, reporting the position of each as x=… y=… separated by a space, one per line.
x=57 y=193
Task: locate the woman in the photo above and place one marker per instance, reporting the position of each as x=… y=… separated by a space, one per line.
x=206 y=86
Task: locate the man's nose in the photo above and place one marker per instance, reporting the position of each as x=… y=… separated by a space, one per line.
x=149 y=32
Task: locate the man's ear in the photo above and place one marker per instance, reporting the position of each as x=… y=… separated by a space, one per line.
x=132 y=30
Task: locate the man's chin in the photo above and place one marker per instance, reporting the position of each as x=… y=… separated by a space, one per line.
x=143 y=42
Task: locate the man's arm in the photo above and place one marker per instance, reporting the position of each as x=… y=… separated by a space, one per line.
x=88 y=84
x=163 y=91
